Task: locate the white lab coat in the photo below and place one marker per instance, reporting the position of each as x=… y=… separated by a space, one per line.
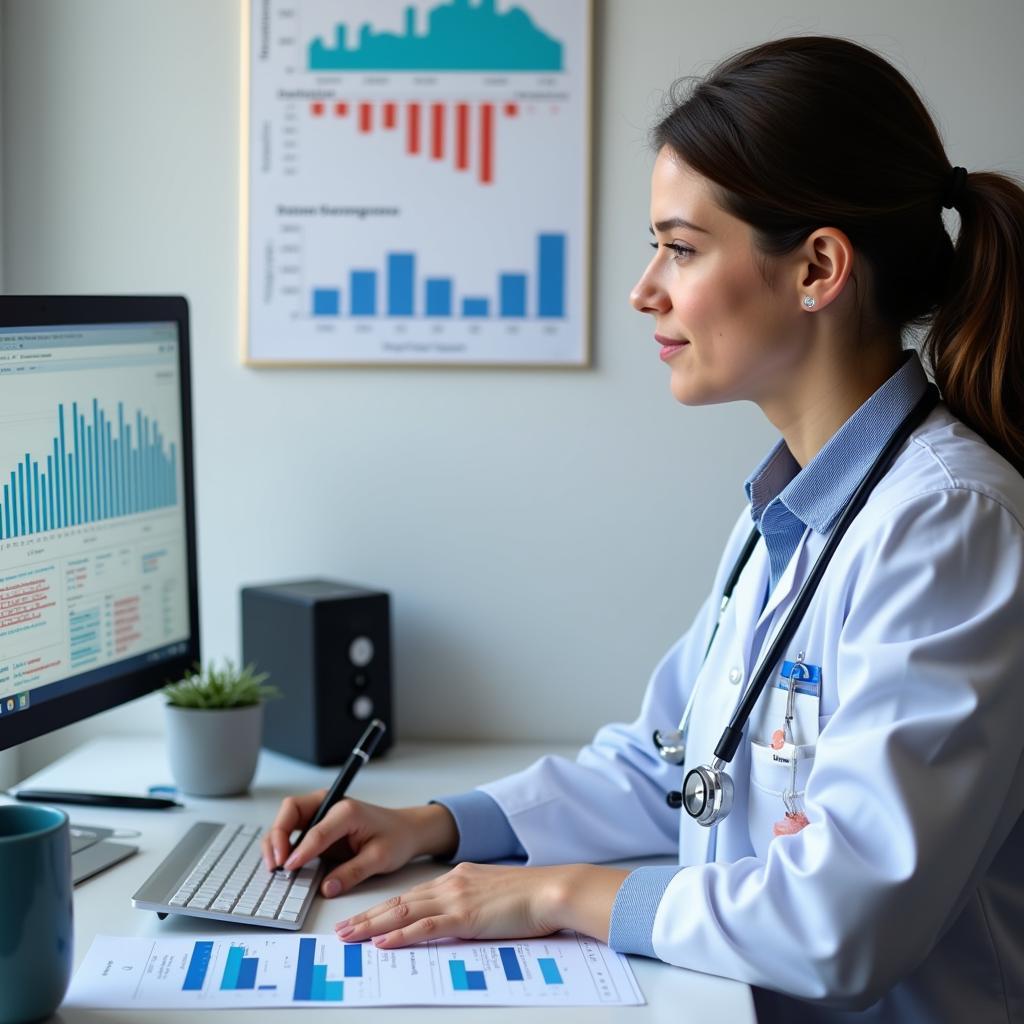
x=904 y=896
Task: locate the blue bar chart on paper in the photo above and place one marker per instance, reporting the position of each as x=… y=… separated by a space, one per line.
x=102 y=464
x=414 y=199
x=317 y=970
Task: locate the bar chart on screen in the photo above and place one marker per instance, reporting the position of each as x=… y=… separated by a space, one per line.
x=240 y=971
x=92 y=561
x=418 y=182
x=100 y=464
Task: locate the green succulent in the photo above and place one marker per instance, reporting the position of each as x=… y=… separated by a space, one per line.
x=224 y=687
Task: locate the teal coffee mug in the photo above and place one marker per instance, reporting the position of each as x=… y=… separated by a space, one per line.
x=36 y=927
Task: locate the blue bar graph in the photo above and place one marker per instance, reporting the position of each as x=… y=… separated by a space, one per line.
x=197 y=965
x=439 y=296
x=548 y=967
x=318 y=988
x=515 y=296
x=311 y=982
x=364 y=292
x=466 y=981
x=510 y=962
x=100 y=477
x=551 y=275
x=229 y=980
x=326 y=302
x=239 y=970
x=247 y=972
x=304 y=969
x=401 y=271
x=353 y=961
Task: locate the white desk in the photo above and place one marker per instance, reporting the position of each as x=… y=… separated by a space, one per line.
x=409 y=774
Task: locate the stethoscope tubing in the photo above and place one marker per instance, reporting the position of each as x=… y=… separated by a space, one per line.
x=711 y=786
x=731 y=736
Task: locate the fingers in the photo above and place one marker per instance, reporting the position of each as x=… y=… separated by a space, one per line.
x=293 y=813
x=371 y=860
x=418 y=892
x=399 y=921
x=443 y=926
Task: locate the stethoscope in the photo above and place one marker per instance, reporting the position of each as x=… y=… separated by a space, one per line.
x=707 y=793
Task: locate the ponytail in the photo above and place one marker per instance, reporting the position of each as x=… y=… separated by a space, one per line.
x=975 y=344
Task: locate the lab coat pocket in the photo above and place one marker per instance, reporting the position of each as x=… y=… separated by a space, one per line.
x=771 y=775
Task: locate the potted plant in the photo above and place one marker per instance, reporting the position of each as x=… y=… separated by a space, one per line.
x=214 y=728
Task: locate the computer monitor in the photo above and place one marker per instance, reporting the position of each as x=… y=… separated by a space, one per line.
x=98 y=590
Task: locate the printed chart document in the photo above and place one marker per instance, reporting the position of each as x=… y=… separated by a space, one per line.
x=242 y=971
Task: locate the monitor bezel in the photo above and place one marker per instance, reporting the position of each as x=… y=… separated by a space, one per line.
x=39 y=311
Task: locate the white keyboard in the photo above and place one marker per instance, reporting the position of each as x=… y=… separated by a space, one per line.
x=217 y=871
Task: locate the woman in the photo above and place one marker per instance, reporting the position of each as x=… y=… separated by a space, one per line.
x=869 y=868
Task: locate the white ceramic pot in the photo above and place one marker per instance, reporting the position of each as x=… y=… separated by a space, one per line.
x=213 y=751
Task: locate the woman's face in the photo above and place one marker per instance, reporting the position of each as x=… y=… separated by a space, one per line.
x=724 y=332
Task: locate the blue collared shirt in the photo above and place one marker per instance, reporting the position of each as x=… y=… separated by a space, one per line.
x=785 y=501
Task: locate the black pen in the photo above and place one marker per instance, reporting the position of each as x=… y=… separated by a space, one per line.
x=60 y=796
x=361 y=753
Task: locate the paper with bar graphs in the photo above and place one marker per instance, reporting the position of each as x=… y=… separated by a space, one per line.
x=246 y=971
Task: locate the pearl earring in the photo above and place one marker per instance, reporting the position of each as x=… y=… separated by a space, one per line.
x=808 y=302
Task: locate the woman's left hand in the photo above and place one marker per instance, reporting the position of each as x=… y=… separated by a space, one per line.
x=486 y=901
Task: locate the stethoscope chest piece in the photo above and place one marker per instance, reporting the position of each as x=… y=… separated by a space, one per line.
x=707 y=793
x=671 y=745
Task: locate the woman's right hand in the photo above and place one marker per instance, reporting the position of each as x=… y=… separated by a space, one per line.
x=367 y=839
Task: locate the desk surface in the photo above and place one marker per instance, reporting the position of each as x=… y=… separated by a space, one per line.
x=410 y=773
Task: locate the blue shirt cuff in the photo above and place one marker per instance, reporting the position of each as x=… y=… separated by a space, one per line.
x=632 y=924
x=484 y=831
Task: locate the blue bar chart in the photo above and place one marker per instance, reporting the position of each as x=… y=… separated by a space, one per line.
x=465 y=980
x=198 y=965
x=99 y=466
x=395 y=290
x=236 y=971
x=510 y=963
x=549 y=970
x=311 y=978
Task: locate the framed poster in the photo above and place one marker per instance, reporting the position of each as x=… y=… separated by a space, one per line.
x=416 y=182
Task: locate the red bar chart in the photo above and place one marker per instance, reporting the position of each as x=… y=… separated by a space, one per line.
x=446 y=131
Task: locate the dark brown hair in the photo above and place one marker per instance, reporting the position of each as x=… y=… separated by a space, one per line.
x=815 y=131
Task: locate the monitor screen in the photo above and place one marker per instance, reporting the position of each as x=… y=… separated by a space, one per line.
x=98 y=591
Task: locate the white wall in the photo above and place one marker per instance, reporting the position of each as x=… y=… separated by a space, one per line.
x=545 y=535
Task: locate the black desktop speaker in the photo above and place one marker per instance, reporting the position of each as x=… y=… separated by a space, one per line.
x=327 y=648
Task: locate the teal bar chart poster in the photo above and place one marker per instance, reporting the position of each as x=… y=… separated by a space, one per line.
x=278 y=970
x=417 y=182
